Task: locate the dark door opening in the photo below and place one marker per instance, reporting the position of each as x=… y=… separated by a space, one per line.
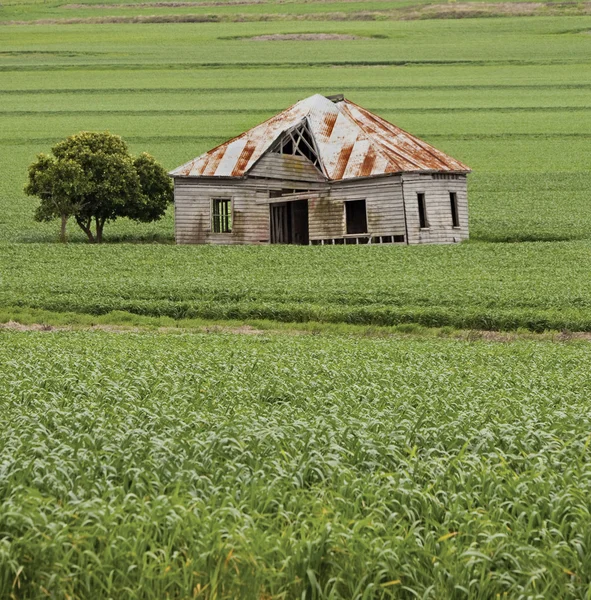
x=356 y=216
x=289 y=222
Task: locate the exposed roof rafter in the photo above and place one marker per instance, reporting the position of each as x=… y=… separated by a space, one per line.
x=299 y=141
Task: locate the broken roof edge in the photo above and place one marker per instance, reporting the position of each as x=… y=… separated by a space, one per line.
x=269 y=148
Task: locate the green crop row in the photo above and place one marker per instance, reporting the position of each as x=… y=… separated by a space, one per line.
x=227 y=466
x=543 y=285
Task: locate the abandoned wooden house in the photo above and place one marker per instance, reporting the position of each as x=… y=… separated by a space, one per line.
x=324 y=171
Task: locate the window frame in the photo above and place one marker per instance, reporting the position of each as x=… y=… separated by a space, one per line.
x=455 y=213
x=213 y=215
x=346 y=233
x=422 y=210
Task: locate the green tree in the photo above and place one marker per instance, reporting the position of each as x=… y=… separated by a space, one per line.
x=103 y=182
x=59 y=184
x=156 y=187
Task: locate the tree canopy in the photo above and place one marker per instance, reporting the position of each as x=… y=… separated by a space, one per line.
x=92 y=177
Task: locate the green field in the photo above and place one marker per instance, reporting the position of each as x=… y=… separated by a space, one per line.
x=232 y=466
x=510 y=97
x=481 y=286
x=328 y=458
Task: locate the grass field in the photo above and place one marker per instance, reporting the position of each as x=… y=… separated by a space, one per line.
x=483 y=286
x=332 y=459
x=232 y=466
x=510 y=97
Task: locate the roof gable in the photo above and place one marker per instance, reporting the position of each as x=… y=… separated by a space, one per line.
x=286 y=167
x=298 y=141
x=350 y=142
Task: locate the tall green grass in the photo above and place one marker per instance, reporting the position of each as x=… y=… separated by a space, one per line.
x=219 y=466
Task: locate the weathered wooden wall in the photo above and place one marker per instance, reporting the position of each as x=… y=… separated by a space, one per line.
x=437 y=202
x=285 y=166
x=383 y=198
x=272 y=173
x=388 y=201
x=192 y=203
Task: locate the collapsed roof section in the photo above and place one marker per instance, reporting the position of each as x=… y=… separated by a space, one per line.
x=347 y=142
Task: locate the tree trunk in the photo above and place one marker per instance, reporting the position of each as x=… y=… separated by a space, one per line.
x=100 y=223
x=63 y=239
x=85 y=226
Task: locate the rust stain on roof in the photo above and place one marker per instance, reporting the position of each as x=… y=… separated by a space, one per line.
x=351 y=142
x=213 y=160
x=343 y=161
x=368 y=163
x=244 y=157
x=329 y=120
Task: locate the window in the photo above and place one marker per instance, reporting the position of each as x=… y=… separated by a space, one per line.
x=221 y=215
x=453 y=202
x=423 y=223
x=356 y=216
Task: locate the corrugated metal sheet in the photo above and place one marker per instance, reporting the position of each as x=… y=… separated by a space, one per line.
x=352 y=142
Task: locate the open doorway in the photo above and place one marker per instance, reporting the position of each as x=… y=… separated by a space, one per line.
x=355 y=216
x=289 y=222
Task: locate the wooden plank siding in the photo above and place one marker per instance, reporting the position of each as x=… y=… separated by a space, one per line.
x=193 y=223
x=438 y=208
x=272 y=173
x=389 y=201
x=285 y=166
x=384 y=206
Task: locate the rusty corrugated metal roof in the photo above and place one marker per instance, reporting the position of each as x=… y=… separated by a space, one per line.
x=351 y=141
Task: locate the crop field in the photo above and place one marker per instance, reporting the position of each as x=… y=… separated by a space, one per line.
x=233 y=466
x=317 y=461
x=540 y=286
x=509 y=96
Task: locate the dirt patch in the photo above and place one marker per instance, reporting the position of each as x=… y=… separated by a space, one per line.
x=468 y=335
x=303 y=37
x=214 y=3
x=15 y=326
x=508 y=336
x=165 y=4
x=239 y=330
x=472 y=9
x=463 y=10
x=211 y=18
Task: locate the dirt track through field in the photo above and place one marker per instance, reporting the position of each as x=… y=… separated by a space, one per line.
x=463 y=335
x=39 y=327
x=409 y=13
x=303 y=37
